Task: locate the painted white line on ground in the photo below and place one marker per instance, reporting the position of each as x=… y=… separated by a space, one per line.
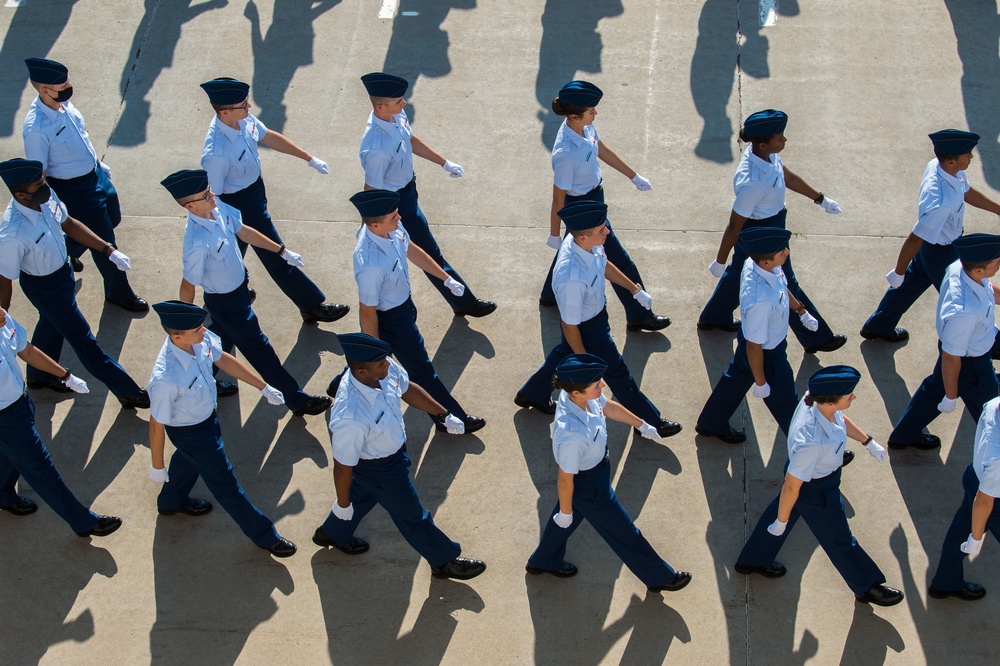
x=768 y=13
x=388 y=9
x=14 y=3
x=650 y=65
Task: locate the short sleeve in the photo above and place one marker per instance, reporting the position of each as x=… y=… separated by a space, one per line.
x=12 y=251
x=20 y=334
x=956 y=334
x=347 y=438
x=261 y=127
x=569 y=297
x=747 y=198
x=989 y=479
x=216 y=167
x=404 y=377
x=563 y=170
x=369 y=281
x=755 y=325
x=802 y=460
x=375 y=163
x=161 y=400
x=194 y=265
x=567 y=450
x=59 y=212
x=214 y=344
x=36 y=147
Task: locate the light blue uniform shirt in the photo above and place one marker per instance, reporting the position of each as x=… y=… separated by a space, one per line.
x=230 y=156
x=212 y=258
x=763 y=304
x=32 y=241
x=575 y=166
x=386 y=153
x=941 y=206
x=965 y=321
x=815 y=444
x=578 y=281
x=579 y=437
x=759 y=186
x=367 y=423
x=181 y=387
x=380 y=268
x=59 y=140
x=13 y=340
x=986 y=454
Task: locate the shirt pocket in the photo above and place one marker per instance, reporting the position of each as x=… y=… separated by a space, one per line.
x=60 y=146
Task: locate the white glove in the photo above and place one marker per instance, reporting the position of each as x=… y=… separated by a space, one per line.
x=319 y=165
x=344 y=513
x=563 y=520
x=292 y=259
x=809 y=321
x=877 y=450
x=454 y=170
x=75 y=384
x=273 y=395
x=454 y=425
x=645 y=300
x=641 y=183
x=648 y=431
x=105 y=168
x=947 y=405
x=716 y=269
x=971 y=546
x=777 y=528
x=454 y=286
x=894 y=279
x=158 y=475
x=761 y=391
x=555 y=242
x=120 y=260
x=831 y=206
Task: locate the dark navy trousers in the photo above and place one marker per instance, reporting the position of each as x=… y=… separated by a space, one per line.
x=738 y=379
x=22 y=454
x=926 y=270
x=595 y=500
x=93 y=200
x=201 y=452
x=398 y=327
x=416 y=225
x=949 y=576
x=294 y=283
x=597 y=340
x=634 y=313
x=59 y=319
x=387 y=481
x=235 y=322
x=726 y=297
x=977 y=385
x=822 y=507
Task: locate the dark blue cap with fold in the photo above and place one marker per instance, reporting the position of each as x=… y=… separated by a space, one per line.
x=765 y=123
x=953 y=142
x=581 y=369
x=834 y=380
x=375 y=203
x=580 y=93
x=20 y=171
x=977 y=247
x=47 y=72
x=583 y=214
x=764 y=240
x=225 y=91
x=380 y=84
x=363 y=348
x=186 y=183
x=179 y=315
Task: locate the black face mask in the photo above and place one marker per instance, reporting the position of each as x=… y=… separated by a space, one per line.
x=40 y=196
x=64 y=95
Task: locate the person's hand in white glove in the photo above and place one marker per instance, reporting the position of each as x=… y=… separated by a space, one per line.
x=120 y=260
x=563 y=520
x=947 y=405
x=648 y=431
x=319 y=165
x=831 y=206
x=761 y=391
x=971 y=547
x=454 y=286
x=454 y=170
x=716 y=269
x=876 y=450
x=342 y=512
x=809 y=321
x=454 y=424
x=272 y=395
x=645 y=300
x=777 y=528
x=292 y=258
x=641 y=183
x=105 y=168
x=894 y=279
x=555 y=242
x=158 y=475
x=77 y=385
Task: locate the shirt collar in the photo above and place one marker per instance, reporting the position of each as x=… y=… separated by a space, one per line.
x=829 y=427
x=587 y=256
x=766 y=165
x=386 y=125
x=185 y=358
x=770 y=276
x=33 y=216
x=383 y=244
x=370 y=394
x=957 y=181
x=227 y=131
x=50 y=113
x=577 y=139
x=980 y=289
x=573 y=409
x=209 y=224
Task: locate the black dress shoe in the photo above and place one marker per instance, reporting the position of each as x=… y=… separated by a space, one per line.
x=22 y=506
x=325 y=312
x=355 y=546
x=565 y=570
x=524 y=403
x=284 y=548
x=252 y=293
x=925 y=443
x=969 y=592
x=76 y=264
x=58 y=387
x=848 y=458
x=472 y=423
x=197 y=507
x=316 y=404
x=480 y=308
x=680 y=581
x=731 y=327
x=650 y=323
x=105 y=526
x=665 y=428
x=138 y=401
x=897 y=335
x=833 y=344
x=734 y=436
x=546 y=303
x=881 y=595
x=461 y=568
x=134 y=304
x=331 y=390
x=776 y=570
x=225 y=388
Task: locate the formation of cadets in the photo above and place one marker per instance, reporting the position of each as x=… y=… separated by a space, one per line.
x=64 y=203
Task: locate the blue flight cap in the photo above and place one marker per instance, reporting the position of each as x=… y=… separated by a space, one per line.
x=376 y=203
x=380 y=84
x=835 y=380
x=47 y=72
x=581 y=369
x=764 y=240
x=765 y=123
x=180 y=316
x=953 y=142
x=20 y=171
x=977 y=247
x=580 y=93
x=226 y=91
x=186 y=183
x=583 y=214
x=363 y=348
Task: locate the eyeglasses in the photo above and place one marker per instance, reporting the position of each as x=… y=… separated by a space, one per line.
x=205 y=197
x=245 y=106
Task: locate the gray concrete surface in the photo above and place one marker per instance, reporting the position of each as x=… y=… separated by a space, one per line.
x=863 y=84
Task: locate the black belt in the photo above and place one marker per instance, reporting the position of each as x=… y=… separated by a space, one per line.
x=74 y=180
x=24 y=394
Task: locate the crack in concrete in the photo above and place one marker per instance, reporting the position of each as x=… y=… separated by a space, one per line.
x=128 y=81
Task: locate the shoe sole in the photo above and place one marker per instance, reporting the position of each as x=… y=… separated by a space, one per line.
x=884 y=604
x=729 y=440
x=651 y=329
x=478 y=313
x=704 y=326
x=673 y=587
x=885 y=338
x=961 y=595
x=524 y=404
x=746 y=571
x=535 y=571
x=913 y=445
x=459 y=577
x=826 y=350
